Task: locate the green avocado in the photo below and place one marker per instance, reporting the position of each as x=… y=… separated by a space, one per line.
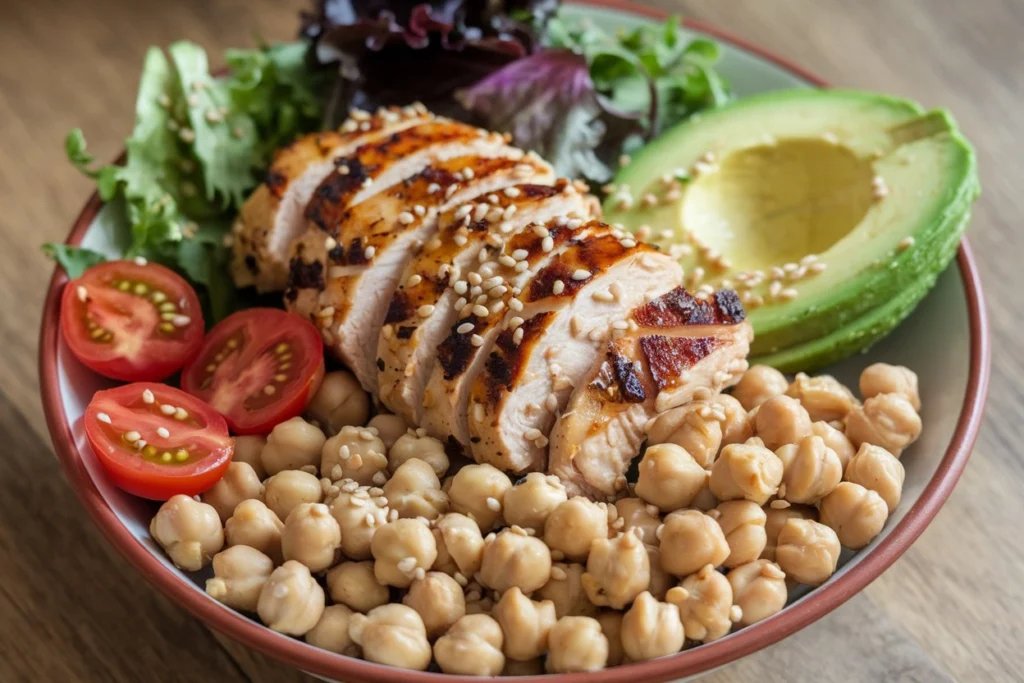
x=832 y=212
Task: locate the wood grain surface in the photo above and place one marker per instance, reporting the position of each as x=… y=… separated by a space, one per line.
x=72 y=610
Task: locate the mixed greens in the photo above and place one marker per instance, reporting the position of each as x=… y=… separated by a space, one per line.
x=201 y=141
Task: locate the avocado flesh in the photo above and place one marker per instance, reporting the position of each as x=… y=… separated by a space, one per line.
x=862 y=333
x=792 y=175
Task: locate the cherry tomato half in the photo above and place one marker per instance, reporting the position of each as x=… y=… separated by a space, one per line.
x=257 y=367
x=156 y=441
x=131 y=322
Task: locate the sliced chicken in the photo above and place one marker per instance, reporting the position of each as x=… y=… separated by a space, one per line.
x=673 y=348
x=273 y=215
x=409 y=345
x=368 y=172
x=569 y=308
x=357 y=297
x=477 y=318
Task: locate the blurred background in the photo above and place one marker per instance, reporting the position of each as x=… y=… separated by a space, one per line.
x=71 y=610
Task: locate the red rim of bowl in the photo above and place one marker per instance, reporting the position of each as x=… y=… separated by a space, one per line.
x=321 y=662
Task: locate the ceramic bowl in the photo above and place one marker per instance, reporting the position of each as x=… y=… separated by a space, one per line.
x=945 y=341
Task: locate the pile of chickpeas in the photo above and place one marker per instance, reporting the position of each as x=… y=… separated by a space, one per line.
x=360 y=536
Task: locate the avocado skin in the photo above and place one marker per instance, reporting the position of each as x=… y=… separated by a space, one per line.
x=861 y=334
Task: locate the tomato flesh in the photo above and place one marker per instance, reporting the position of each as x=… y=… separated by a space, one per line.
x=131 y=321
x=257 y=368
x=156 y=441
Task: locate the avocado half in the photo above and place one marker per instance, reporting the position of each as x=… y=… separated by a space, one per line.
x=832 y=212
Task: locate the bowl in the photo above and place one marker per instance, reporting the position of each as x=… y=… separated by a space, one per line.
x=946 y=341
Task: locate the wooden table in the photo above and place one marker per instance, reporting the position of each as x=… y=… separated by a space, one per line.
x=72 y=610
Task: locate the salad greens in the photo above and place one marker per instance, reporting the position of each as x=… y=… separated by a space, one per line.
x=570 y=92
x=198 y=145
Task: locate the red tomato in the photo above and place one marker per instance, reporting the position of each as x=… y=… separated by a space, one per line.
x=257 y=368
x=156 y=441
x=131 y=322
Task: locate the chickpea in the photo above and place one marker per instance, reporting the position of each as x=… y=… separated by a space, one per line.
x=746 y=471
x=565 y=590
x=776 y=518
x=882 y=378
x=291 y=601
x=824 y=397
x=886 y=420
x=661 y=580
x=415 y=491
x=811 y=470
x=640 y=515
x=460 y=545
x=651 y=629
x=404 y=550
x=255 y=525
x=439 y=601
x=331 y=632
x=695 y=427
x=577 y=644
x=705 y=605
x=292 y=445
x=691 y=539
x=743 y=524
x=339 y=402
x=426 y=448
x=759 y=384
x=704 y=500
x=359 y=514
x=354 y=585
x=531 y=667
x=190 y=532
x=836 y=440
x=855 y=513
x=758 y=589
x=289 y=489
x=477 y=491
x=394 y=635
x=471 y=647
x=355 y=453
x=781 y=420
x=529 y=502
x=512 y=558
x=390 y=428
x=238 y=483
x=248 y=449
x=737 y=426
x=618 y=570
x=525 y=623
x=877 y=469
x=807 y=551
x=573 y=526
x=611 y=626
x=238 y=577
x=311 y=536
x=669 y=477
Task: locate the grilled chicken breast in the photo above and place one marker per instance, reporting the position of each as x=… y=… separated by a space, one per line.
x=569 y=307
x=436 y=282
x=273 y=216
x=673 y=348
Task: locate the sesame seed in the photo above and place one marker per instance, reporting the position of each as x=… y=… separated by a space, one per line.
x=432 y=188
x=425 y=311
x=464 y=328
x=581 y=274
x=132 y=437
x=817 y=267
x=369 y=252
x=167 y=409
x=476 y=340
x=605 y=296
x=460 y=303
x=414 y=280
x=180 y=320
x=182 y=414
x=468 y=173
x=147 y=396
x=163 y=433
x=512 y=192
x=480 y=311
x=558 y=287
x=406 y=218
x=419 y=210
x=515 y=304
x=509 y=212
x=522 y=266
x=517 y=336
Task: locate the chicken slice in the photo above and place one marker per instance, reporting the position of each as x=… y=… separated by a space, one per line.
x=570 y=306
x=272 y=216
x=371 y=170
x=472 y=330
x=675 y=347
x=407 y=349
x=356 y=299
